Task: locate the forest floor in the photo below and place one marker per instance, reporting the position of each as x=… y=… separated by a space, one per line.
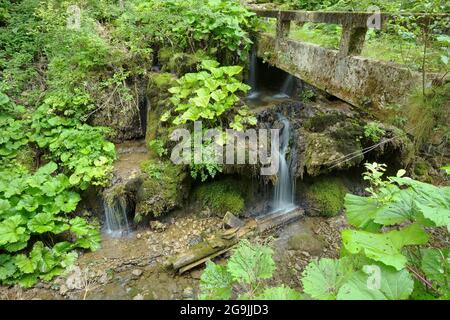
x=132 y=267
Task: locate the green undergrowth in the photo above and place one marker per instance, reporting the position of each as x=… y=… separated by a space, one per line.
x=326 y=196
x=220 y=197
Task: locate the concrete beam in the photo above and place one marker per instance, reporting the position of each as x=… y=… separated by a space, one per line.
x=353 y=19
x=360 y=81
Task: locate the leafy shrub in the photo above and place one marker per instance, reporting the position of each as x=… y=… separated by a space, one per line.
x=208 y=94
x=374 y=132
x=326 y=196
x=35 y=207
x=220 y=197
x=157 y=146
x=376 y=258
x=244 y=276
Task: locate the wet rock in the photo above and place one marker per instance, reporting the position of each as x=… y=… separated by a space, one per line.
x=231 y=221
x=305 y=242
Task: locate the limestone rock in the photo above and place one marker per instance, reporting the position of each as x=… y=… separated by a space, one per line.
x=231 y=221
x=305 y=242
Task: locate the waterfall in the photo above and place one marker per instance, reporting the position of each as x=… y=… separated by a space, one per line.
x=252 y=81
x=116 y=217
x=283 y=200
x=286 y=88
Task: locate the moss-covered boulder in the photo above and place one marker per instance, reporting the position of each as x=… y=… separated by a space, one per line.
x=163 y=188
x=220 y=197
x=325 y=196
x=179 y=63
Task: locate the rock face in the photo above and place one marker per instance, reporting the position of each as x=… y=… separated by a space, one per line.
x=164 y=187
x=126 y=117
x=328 y=136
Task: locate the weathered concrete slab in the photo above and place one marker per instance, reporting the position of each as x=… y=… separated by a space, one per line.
x=360 y=81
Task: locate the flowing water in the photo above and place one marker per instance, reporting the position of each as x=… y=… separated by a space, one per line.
x=116 y=217
x=286 y=88
x=283 y=200
x=254 y=93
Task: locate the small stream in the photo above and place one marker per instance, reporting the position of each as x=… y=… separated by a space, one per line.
x=283 y=199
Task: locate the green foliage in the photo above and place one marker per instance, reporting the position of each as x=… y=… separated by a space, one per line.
x=395 y=255
x=373 y=131
x=307 y=95
x=35 y=206
x=157 y=146
x=220 y=197
x=206 y=95
x=384 y=247
x=326 y=196
x=322 y=279
x=245 y=271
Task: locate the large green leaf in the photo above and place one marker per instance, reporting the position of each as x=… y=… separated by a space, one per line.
x=11 y=230
x=7 y=266
x=215 y=283
x=436 y=266
x=322 y=279
x=25 y=264
x=433 y=202
x=250 y=263
x=41 y=223
x=377 y=282
x=385 y=247
x=360 y=211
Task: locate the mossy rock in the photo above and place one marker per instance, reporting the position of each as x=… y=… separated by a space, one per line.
x=306 y=242
x=325 y=196
x=180 y=63
x=164 y=186
x=323 y=151
x=158 y=102
x=26 y=156
x=321 y=121
x=220 y=197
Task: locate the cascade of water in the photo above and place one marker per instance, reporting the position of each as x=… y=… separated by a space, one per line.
x=283 y=200
x=116 y=217
x=286 y=88
x=252 y=81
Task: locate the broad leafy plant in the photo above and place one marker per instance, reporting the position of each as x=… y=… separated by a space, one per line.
x=386 y=255
x=208 y=94
x=244 y=276
x=34 y=210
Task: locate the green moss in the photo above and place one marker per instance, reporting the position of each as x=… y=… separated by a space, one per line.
x=26 y=156
x=180 y=63
x=158 y=103
x=162 y=189
x=322 y=121
x=326 y=196
x=421 y=168
x=220 y=197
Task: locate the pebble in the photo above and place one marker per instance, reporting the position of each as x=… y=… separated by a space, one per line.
x=137 y=272
x=63 y=289
x=138 y=297
x=188 y=292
